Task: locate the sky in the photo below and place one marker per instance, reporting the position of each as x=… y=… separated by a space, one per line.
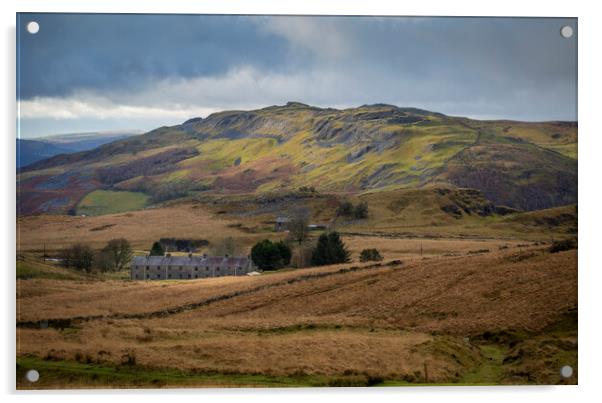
x=100 y=72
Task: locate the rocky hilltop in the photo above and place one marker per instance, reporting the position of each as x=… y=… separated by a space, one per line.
x=522 y=165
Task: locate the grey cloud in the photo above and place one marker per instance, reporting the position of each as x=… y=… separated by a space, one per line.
x=481 y=67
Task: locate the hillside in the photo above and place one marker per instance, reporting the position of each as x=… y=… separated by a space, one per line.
x=30 y=151
x=37 y=149
x=527 y=166
x=506 y=316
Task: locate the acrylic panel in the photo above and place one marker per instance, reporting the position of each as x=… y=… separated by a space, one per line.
x=313 y=201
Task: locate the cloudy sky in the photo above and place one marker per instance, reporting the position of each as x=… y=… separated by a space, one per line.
x=111 y=72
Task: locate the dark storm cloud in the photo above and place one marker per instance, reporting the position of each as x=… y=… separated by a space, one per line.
x=123 y=69
x=112 y=51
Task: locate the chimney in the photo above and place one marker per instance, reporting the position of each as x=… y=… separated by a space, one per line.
x=190 y=255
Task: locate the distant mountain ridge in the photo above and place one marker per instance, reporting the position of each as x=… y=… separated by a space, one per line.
x=30 y=151
x=37 y=149
x=376 y=147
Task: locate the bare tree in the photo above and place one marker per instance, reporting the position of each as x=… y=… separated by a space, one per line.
x=79 y=256
x=116 y=255
x=226 y=246
x=298 y=233
x=298 y=226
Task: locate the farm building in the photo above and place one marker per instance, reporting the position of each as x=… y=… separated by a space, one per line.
x=188 y=267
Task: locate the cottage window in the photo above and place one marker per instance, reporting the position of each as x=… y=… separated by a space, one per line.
x=148 y=276
x=158 y=276
x=196 y=276
x=189 y=275
x=180 y=267
x=207 y=268
x=217 y=269
x=196 y=269
x=169 y=276
x=147 y=267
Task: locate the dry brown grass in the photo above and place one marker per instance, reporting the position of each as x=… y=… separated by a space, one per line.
x=141 y=228
x=378 y=321
x=326 y=352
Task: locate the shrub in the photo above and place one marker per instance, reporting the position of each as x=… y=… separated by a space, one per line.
x=128 y=357
x=78 y=256
x=330 y=250
x=565 y=244
x=345 y=208
x=268 y=255
x=368 y=255
x=361 y=211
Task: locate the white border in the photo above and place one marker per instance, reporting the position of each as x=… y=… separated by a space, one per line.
x=590 y=149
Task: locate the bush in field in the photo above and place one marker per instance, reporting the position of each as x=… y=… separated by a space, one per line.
x=345 y=208
x=565 y=244
x=307 y=189
x=361 y=211
x=330 y=250
x=78 y=256
x=370 y=255
x=157 y=250
x=268 y=255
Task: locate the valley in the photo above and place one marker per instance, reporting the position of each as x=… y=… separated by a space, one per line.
x=475 y=221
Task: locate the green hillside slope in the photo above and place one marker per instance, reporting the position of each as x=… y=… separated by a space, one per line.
x=373 y=147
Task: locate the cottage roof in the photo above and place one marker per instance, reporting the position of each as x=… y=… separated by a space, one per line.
x=211 y=261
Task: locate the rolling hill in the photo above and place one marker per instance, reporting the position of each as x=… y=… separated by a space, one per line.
x=30 y=151
x=33 y=150
x=502 y=317
x=372 y=148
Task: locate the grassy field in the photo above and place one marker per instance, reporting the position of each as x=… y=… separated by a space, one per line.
x=101 y=202
x=464 y=296
x=396 y=219
x=30 y=268
x=498 y=317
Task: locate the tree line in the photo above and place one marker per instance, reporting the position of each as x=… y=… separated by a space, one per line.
x=114 y=256
x=329 y=249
